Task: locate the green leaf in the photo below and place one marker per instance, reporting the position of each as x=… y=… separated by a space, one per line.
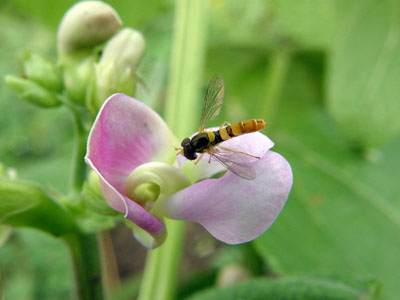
x=25 y=204
x=310 y=23
x=343 y=214
x=287 y=289
x=5 y=232
x=364 y=68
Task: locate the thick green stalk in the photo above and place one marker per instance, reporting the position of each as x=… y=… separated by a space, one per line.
x=86 y=265
x=274 y=80
x=169 y=261
x=187 y=61
x=150 y=275
x=183 y=103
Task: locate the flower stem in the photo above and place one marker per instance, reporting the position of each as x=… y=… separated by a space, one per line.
x=86 y=265
x=188 y=51
x=274 y=80
x=84 y=248
x=170 y=258
x=78 y=172
x=187 y=61
x=150 y=275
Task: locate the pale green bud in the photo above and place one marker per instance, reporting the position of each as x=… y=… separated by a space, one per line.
x=32 y=92
x=232 y=274
x=116 y=70
x=86 y=25
x=125 y=50
x=42 y=71
x=78 y=76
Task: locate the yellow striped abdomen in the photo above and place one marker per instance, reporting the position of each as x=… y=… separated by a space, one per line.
x=240 y=128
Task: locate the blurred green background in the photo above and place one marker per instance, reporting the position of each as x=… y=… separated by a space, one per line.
x=323 y=73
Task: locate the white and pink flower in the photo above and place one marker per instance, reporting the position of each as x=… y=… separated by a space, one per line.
x=130 y=145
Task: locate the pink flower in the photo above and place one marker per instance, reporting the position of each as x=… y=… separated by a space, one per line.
x=130 y=146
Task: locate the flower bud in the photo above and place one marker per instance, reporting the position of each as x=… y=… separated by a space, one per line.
x=125 y=50
x=32 y=92
x=232 y=274
x=116 y=69
x=86 y=25
x=41 y=71
x=78 y=75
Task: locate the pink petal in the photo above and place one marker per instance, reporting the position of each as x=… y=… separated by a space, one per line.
x=135 y=213
x=232 y=209
x=126 y=134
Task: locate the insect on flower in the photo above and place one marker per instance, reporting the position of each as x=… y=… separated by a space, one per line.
x=208 y=141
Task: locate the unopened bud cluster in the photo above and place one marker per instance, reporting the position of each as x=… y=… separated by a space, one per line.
x=95 y=60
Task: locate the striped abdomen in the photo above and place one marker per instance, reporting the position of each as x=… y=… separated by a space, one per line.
x=237 y=129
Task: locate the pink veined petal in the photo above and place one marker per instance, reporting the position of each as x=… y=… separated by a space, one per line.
x=125 y=134
x=232 y=209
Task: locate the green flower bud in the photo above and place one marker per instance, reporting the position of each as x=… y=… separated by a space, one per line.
x=32 y=92
x=41 y=71
x=116 y=70
x=86 y=25
x=78 y=75
x=125 y=50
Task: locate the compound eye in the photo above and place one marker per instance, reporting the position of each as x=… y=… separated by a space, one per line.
x=185 y=142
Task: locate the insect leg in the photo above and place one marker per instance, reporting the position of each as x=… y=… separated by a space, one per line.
x=235 y=151
x=224 y=123
x=210 y=151
x=200 y=157
x=179 y=151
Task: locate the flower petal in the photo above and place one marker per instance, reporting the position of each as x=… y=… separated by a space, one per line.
x=135 y=213
x=232 y=209
x=126 y=134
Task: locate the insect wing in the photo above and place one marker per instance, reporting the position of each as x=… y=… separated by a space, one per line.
x=212 y=101
x=237 y=163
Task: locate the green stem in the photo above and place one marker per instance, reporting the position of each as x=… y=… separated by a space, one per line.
x=187 y=61
x=188 y=51
x=150 y=275
x=169 y=261
x=84 y=248
x=78 y=172
x=274 y=80
x=86 y=265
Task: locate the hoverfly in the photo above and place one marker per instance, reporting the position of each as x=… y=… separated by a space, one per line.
x=209 y=141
